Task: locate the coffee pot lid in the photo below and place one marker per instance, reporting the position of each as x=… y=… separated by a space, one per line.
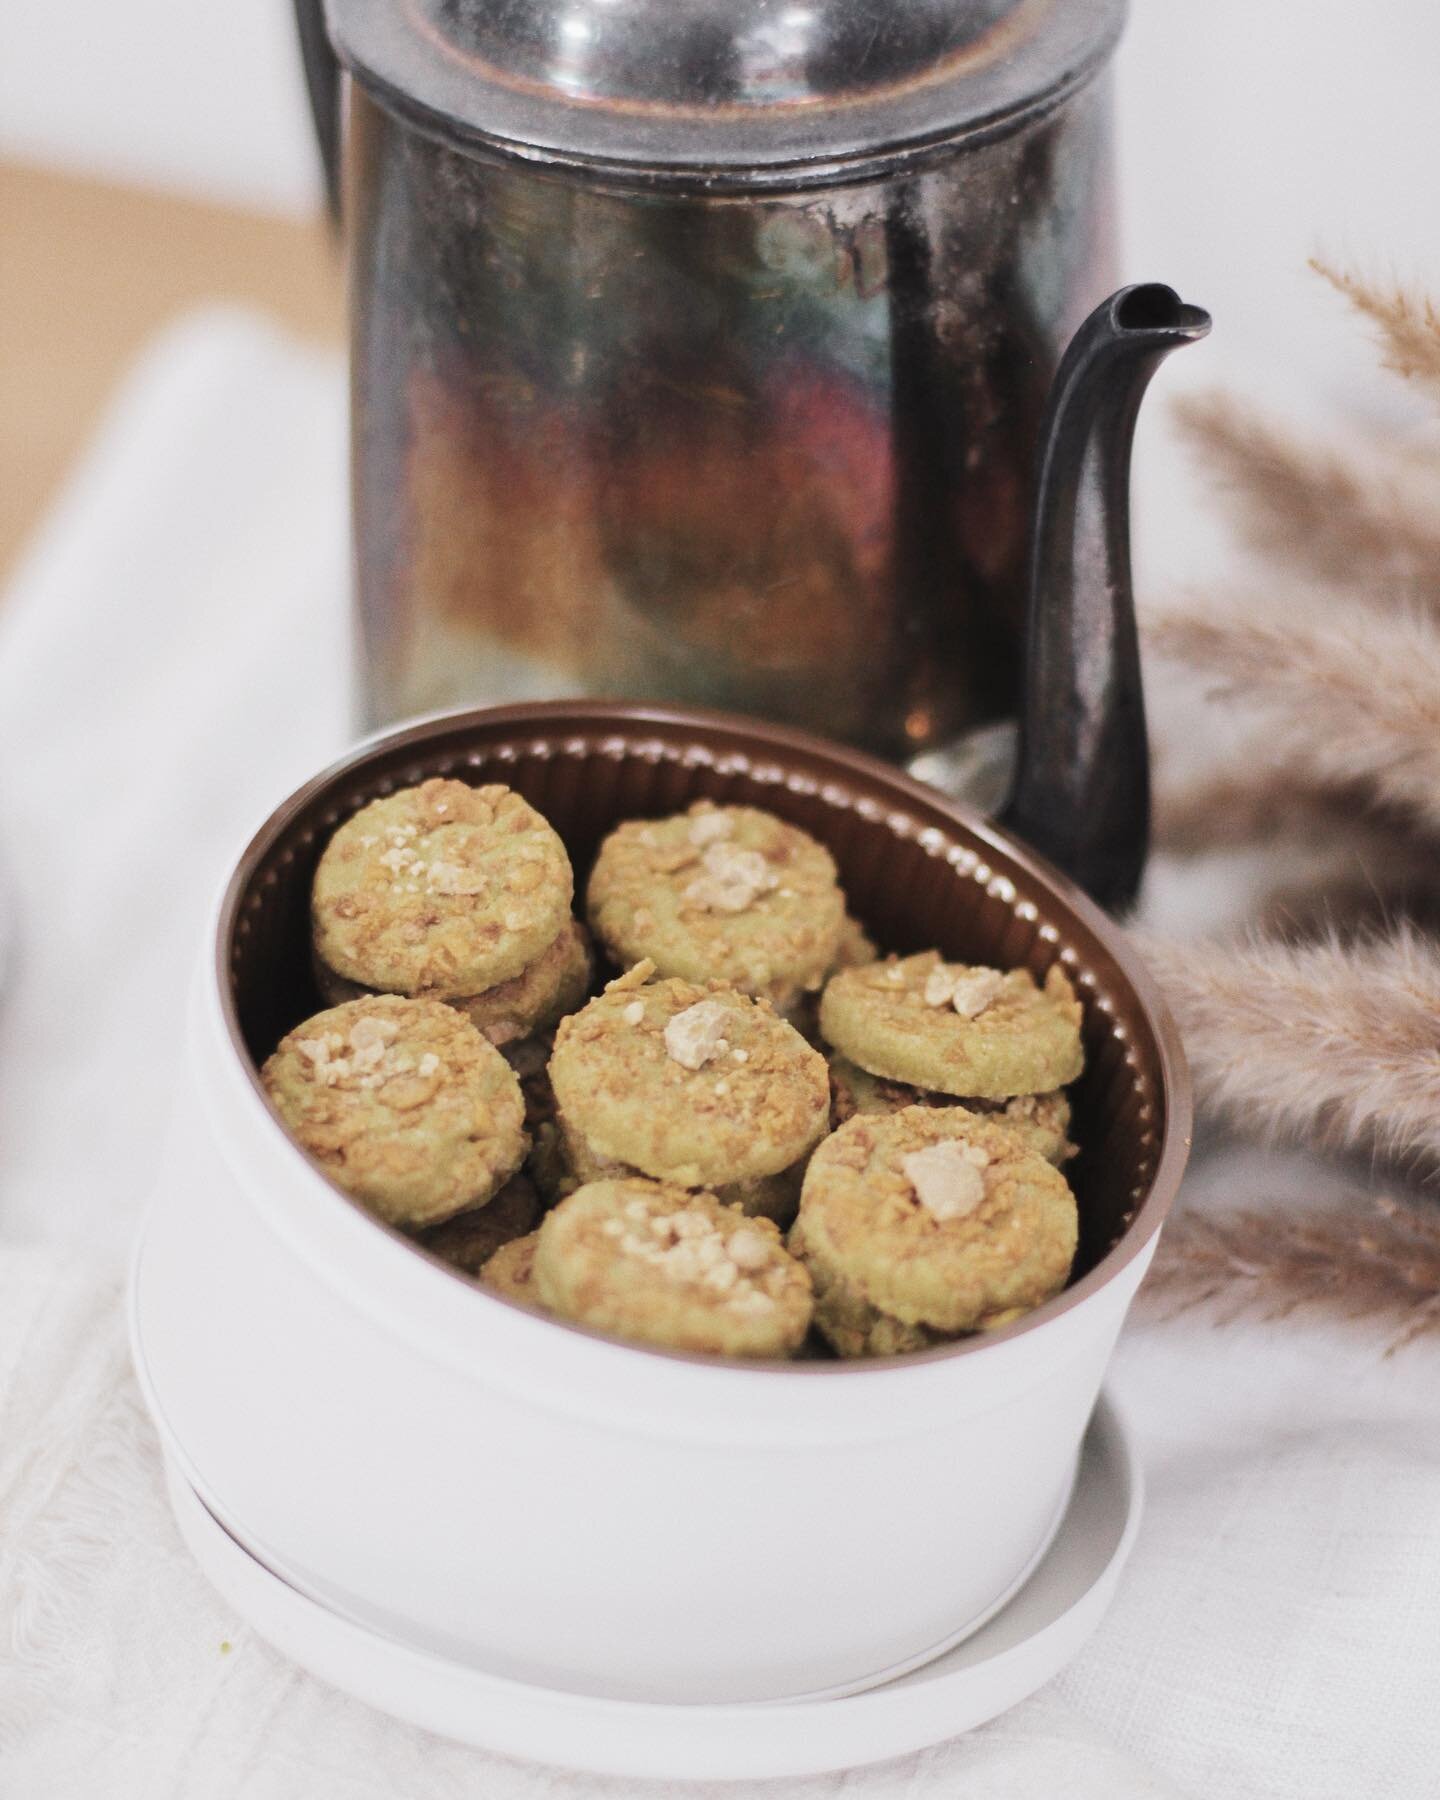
x=683 y=86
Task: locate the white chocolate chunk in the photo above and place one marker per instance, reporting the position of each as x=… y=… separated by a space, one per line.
x=696 y=1035
x=946 y=1181
x=975 y=991
x=940 y=985
x=454 y=878
x=748 y=1250
x=734 y=879
x=710 y=828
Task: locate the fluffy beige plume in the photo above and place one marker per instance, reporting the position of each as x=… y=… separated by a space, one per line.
x=1347 y=700
x=1257 y=800
x=1408 y=322
x=1380 y=1265
x=1369 y=902
x=1316 y=1040
x=1336 y=518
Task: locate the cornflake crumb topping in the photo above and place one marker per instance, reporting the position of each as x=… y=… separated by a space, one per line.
x=360 y=1058
x=948 y=1178
x=733 y=880
x=695 y=1036
x=632 y=978
x=410 y=872
x=969 y=991
x=451 y=878
x=689 y=1246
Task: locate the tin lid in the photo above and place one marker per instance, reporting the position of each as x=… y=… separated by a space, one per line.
x=691 y=85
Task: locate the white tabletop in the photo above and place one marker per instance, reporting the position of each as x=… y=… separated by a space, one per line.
x=171 y=659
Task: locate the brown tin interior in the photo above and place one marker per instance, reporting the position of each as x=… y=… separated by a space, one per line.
x=919 y=870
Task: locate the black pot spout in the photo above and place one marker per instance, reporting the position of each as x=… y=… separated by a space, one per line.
x=1082 y=790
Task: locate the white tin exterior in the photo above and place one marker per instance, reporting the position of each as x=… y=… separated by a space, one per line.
x=561 y=1509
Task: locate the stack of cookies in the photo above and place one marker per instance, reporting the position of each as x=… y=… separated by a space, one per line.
x=629 y=1161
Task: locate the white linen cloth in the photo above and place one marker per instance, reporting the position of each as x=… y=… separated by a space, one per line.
x=172 y=657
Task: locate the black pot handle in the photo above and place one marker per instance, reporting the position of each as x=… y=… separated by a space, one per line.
x=322 y=83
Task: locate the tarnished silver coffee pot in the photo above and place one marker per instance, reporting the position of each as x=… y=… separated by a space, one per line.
x=700 y=346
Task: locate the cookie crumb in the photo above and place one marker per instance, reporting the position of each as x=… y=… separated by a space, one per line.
x=632 y=978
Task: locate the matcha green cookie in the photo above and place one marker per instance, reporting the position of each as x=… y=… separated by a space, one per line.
x=855 y=949
x=660 y=1265
x=701 y=1086
x=761 y=1197
x=533 y=1001
x=853 y=952
x=936 y=1218
x=1042 y=1120
x=511 y=1270
x=401 y=1102
x=846 y=1319
x=725 y=893
x=471 y=1238
x=954 y=1029
x=440 y=889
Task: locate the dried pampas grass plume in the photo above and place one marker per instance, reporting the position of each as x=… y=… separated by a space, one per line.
x=1347 y=701
x=1328 y=1041
x=1264 y=800
x=1316 y=508
x=1408 y=322
x=1335 y=1039
x=1379 y=1265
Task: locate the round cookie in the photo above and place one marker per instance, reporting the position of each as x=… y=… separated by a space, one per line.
x=761 y=1197
x=402 y=1103
x=548 y=1166
x=511 y=1270
x=538 y=997
x=725 y=893
x=471 y=1238
x=845 y=1318
x=533 y=1001
x=855 y=949
x=1042 y=1120
x=659 y=1265
x=954 y=1029
x=938 y=1218
x=701 y=1086
x=441 y=889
